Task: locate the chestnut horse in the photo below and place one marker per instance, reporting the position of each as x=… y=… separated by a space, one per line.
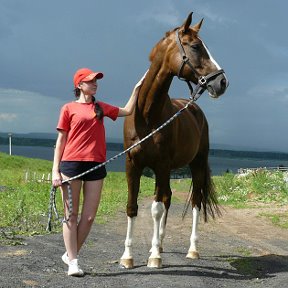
x=183 y=142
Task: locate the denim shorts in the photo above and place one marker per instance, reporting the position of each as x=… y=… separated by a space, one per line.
x=74 y=168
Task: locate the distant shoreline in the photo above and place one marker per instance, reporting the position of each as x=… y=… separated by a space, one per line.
x=220 y=161
x=113 y=146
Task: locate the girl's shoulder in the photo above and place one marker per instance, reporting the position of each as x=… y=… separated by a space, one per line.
x=68 y=104
x=101 y=102
x=72 y=104
x=109 y=110
x=68 y=107
x=104 y=104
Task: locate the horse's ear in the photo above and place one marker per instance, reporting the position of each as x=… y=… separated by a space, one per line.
x=187 y=23
x=197 y=26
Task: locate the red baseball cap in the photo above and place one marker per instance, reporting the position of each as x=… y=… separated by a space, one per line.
x=85 y=74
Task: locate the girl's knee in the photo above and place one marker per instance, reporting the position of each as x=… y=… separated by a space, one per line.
x=90 y=219
x=87 y=220
x=73 y=218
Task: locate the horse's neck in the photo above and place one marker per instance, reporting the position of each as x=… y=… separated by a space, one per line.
x=154 y=94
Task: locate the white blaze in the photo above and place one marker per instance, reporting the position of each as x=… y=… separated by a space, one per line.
x=210 y=56
x=214 y=62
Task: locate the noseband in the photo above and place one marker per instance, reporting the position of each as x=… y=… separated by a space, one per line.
x=203 y=80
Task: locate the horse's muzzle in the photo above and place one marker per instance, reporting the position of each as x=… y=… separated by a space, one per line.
x=217 y=86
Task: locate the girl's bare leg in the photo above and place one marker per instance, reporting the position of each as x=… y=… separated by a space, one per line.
x=92 y=194
x=70 y=228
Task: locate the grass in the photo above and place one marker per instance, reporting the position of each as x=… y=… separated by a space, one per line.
x=24 y=205
x=263 y=187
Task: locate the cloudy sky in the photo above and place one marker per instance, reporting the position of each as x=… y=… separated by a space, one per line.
x=44 y=42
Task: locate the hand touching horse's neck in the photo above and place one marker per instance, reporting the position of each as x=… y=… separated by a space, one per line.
x=154 y=94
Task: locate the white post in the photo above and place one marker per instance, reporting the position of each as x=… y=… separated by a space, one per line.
x=10 y=143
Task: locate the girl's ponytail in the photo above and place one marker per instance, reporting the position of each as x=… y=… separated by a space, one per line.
x=98 y=109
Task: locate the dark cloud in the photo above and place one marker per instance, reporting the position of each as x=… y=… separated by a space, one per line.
x=44 y=42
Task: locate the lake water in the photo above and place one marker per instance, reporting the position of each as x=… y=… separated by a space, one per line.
x=218 y=165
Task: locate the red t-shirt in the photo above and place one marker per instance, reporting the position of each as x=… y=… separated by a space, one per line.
x=86 y=134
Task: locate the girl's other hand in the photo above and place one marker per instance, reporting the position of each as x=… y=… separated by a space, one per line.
x=56 y=179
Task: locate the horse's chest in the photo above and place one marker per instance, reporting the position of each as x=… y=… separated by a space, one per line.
x=154 y=147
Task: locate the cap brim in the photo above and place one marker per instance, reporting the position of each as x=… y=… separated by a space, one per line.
x=97 y=75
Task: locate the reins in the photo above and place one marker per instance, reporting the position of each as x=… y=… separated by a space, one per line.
x=199 y=89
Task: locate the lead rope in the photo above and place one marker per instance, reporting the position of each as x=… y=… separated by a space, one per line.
x=199 y=89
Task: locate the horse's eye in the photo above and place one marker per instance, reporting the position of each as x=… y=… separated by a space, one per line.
x=195 y=47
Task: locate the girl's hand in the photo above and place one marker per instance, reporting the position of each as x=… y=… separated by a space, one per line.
x=56 y=179
x=128 y=109
x=140 y=82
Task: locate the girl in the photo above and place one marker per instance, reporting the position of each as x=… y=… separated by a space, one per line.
x=80 y=146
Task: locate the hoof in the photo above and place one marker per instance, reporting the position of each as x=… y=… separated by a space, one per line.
x=193 y=255
x=154 y=263
x=127 y=263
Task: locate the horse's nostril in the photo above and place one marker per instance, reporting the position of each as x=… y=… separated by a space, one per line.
x=223 y=83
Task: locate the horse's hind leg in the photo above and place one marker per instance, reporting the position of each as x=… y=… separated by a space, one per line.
x=133 y=178
x=198 y=168
x=193 y=252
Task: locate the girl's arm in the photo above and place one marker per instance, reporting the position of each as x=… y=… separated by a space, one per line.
x=128 y=109
x=59 y=148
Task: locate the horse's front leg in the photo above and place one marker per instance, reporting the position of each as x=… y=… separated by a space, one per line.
x=133 y=179
x=159 y=211
x=162 y=228
x=126 y=260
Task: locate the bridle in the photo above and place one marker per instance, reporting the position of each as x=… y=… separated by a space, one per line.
x=203 y=80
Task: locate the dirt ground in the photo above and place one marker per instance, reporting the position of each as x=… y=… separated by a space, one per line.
x=240 y=249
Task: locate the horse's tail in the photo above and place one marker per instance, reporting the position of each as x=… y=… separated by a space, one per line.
x=209 y=198
x=202 y=189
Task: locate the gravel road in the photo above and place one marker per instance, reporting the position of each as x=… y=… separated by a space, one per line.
x=240 y=249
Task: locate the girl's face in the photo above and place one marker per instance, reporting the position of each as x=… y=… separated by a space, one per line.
x=89 y=87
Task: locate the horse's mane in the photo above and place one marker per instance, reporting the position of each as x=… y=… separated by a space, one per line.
x=158 y=46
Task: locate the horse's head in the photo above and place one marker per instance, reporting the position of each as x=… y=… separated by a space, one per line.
x=189 y=58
